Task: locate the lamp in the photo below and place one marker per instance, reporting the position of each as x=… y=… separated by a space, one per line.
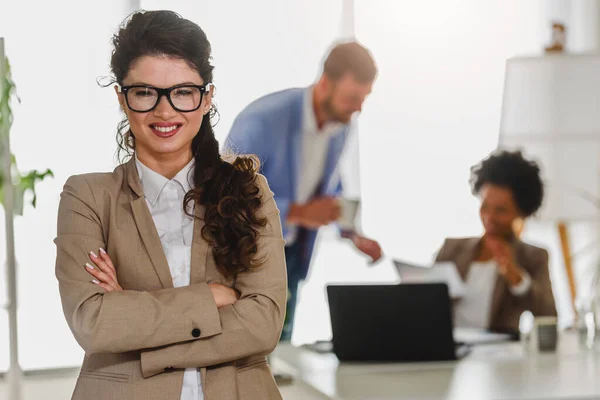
x=551 y=110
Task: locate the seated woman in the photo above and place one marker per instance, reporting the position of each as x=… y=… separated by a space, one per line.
x=503 y=275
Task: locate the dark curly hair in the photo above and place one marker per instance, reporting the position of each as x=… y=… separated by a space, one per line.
x=511 y=170
x=228 y=191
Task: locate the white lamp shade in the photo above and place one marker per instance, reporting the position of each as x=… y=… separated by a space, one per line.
x=551 y=110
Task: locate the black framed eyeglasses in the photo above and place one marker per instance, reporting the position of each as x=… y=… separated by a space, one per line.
x=183 y=98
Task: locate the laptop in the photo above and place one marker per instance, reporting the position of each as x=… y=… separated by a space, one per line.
x=392 y=323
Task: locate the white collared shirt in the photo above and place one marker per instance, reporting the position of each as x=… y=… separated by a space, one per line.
x=315 y=146
x=175 y=228
x=473 y=308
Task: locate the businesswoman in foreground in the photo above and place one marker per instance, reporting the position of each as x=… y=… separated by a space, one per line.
x=171 y=268
x=503 y=275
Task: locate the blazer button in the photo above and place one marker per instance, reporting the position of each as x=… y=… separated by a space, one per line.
x=196 y=332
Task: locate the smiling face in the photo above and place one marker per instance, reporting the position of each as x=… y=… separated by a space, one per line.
x=163 y=134
x=498 y=210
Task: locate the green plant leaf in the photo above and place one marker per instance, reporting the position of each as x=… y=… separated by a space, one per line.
x=21 y=183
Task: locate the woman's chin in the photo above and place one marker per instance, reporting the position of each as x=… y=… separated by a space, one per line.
x=167 y=148
x=169 y=145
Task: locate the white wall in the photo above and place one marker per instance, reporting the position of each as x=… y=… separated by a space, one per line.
x=67 y=123
x=435 y=111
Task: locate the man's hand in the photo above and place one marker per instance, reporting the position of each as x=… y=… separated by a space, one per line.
x=315 y=214
x=367 y=246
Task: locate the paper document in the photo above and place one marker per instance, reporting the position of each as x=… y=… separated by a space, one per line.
x=444 y=272
x=479 y=336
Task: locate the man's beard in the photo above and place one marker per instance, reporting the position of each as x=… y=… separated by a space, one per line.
x=333 y=114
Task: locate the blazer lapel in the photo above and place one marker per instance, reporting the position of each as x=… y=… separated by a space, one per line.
x=331 y=177
x=295 y=145
x=146 y=228
x=199 y=248
x=295 y=155
x=466 y=256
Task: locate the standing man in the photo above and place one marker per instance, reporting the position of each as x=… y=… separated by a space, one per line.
x=299 y=135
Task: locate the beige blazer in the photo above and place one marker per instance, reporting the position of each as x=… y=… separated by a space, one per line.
x=507 y=308
x=139 y=341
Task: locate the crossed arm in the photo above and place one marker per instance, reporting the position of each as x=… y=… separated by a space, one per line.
x=178 y=327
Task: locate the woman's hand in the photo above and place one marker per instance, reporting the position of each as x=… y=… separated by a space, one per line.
x=103 y=271
x=105 y=275
x=505 y=258
x=223 y=295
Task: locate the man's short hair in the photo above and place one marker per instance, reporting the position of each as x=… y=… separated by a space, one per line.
x=350 y=57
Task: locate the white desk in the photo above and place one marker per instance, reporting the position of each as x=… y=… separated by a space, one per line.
x=499 y=371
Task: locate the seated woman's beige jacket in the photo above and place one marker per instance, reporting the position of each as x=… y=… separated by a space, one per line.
x=506 y=308
x=139 y=341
